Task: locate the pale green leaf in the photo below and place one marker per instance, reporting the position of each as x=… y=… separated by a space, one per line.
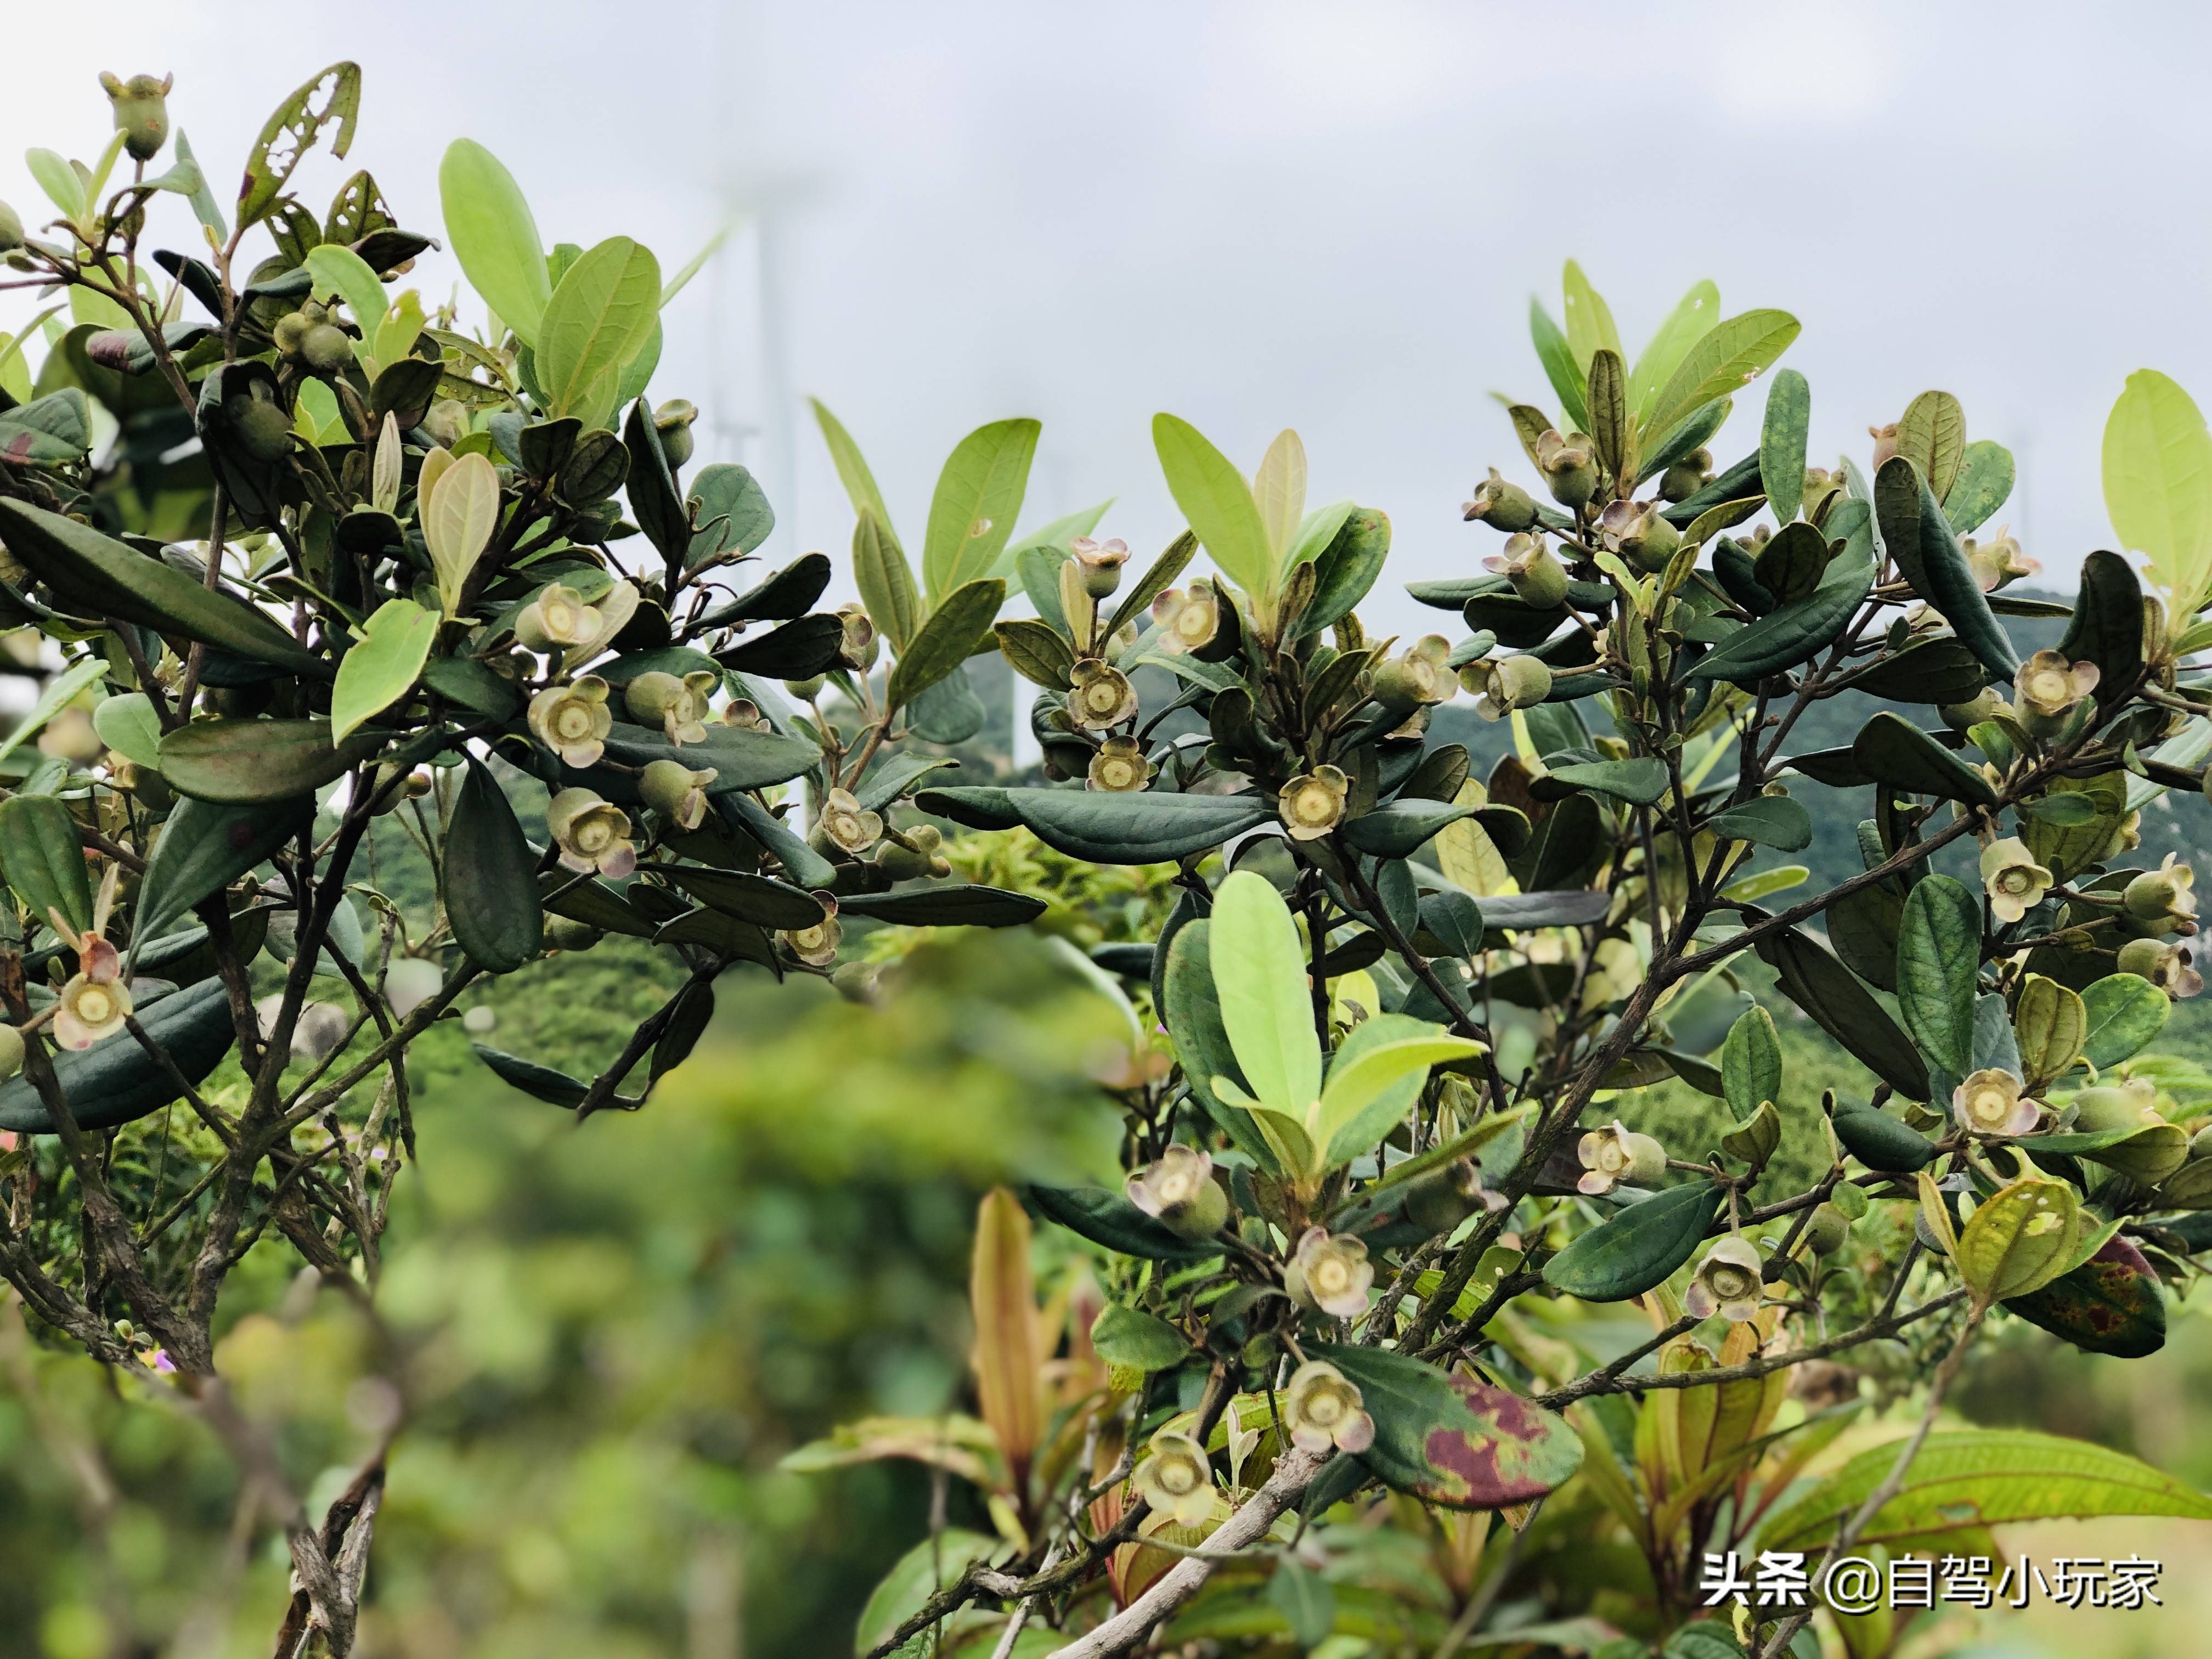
x=383 y=666
x=60 y=692
x=1590 y=320
x=490 y=229
x=58 y=179
x=1687 y=324
x=1056 y=536
x=971 y=516
x=852 y=470
x=1359 y=1077
x=1315 y=531
x=1216 y=501
x=463 y=512
x=597 y=320
x=1258 y=975
x=337 y=269
x=1724 y=360
x=2158 y=484
x=698 y=262
x=1278 y=489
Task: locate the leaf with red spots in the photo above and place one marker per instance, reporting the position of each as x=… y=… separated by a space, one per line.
x=1454 y=1440
x=2109 y=1304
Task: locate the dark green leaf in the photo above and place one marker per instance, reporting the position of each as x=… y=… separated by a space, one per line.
x=546 y=1082
x=2125 y=1013
x=1891 y=750
x=947 y=639
x=204 y=847
x=472 y=685
x=1036 y=651
x=1931 y=672
x=1750 y=1062
x=786 y=594
x=1110 y=1219
x=759 y=899
x=742 y=759
x=1843 y=1007
x=732 y=512
x=1939 y=955
x=1921 y=541
x=115 y=1081
x=1641 y=781
x=799 y=649
x=1781 y=443
x=1395 y=829
x=1348 y=568
x=946 y=907
x=1794 y=633
x=1882 y=1142
x=1147 y=828
x=253 y=763
x=1607 y=400
x=2107 y=625
x=983 y=807
x=655 y=501
x=1636 y=1249
x=1775 y=821
x=1984 y=480
x=490 y=877
x=1455 y=1440
x=43 y=860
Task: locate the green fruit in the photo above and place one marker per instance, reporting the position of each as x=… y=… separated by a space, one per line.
x=327 y=349
x=291 y=333
x=1825 y=1231
x=1881 y=1142
x=1203 y=1216
x=142 y=113
x=565 y=934
x=265 y=430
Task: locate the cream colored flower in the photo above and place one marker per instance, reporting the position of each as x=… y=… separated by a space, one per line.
x=669 y=786
x=817 y=946
x=1727 y=1282
x=848 y=825
x=592 y=833
x=1330 y=1274
x=1312 y=803
x=1101 y=563
x=1102 y=695
x=2048 y=688
x=1119 y=767
x=2013 y=880
x=1417 y=676
x=1616 y=1154
x=2171 y=968
x=1175 y=1480
x=1999 y=562
x=1989 y=1102
x=95 y=1002
x=1322 y=1408
x=573 y=721
x=1187 y=621
x=1180 y=1189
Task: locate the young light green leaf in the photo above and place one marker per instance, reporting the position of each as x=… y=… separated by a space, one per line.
x=1687 y=324
x=1258 y=975
x=886 y=584
x=692 y=266
x=1589 y=320
x=1750 y=1062
x=2158 y=484
x=1278 y=489
x=972 y=517
x=338 y=270
x=1931 y=434
x=58 y=179
x=488 y=223
x=594 y=323
x=852 y=470
x=464 y=511
x=383 y=665
x=1568 y=378
x=60 y=692
x=128 y=724
x=1217 y=501
x=1729 y=357
x=384 y=474
x=1358 y=1078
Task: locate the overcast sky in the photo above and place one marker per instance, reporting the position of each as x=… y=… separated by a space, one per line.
x=1325 y=216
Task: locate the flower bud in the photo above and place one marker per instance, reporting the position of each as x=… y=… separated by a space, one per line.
x=447 y=423
x=670 y=787
x=567 y=933
x=11 y=1051
x=1537 y=576
x=1120 y=767
x=1884 y=443
x=1508 y=683
x=672 y=420
x=1616 y=1155
x=1417 y=677
x=1825 y=1230
x=1438 y=1202
x=1685 y=477
x=1998 y=563
x=860 y=645
x=1569 y=468
x=2013 y=880
x=1640 y=533
x=856 y=981
x=2162 y=900
x=1729 y=1282
x=677 y=707
x=11 y=228
x=592 y=835
x=2171 y=967
x=1180 y=1191
x=1312 y=803
x=1329 y=1275
x=1101 y=564
x=1102 y=695
x=142 y=111
x=2112 y=1107
x=573 y=721
x=326 y=349
x=804 y=690
x=1502 y=505
x=1989 y=704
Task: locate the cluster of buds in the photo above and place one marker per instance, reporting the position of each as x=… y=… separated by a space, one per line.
x=593 y=836
x=1329 y=1274
x=1312 y=803
x=1528 y=563
x=1994 y=1103
x=1998 y=561
x=1180 y=1190
x=1616 y=1154
x=679 y=707
x=2013 y=880
x=573 y=721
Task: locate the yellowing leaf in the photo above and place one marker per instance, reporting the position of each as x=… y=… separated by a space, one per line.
x=1280 y=490
x=2158 y=485
x=463 y=510
x=1465 y=852
x=2019 y=1239
x=1258 y=975
x=1003 y=1293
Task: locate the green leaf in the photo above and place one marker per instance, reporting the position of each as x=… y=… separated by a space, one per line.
x=2124 y=1013
x=741 y=759
x=1984 y=483
x=338 y=270
x=59 y=180
x=946 y=907
x=1191 y=1010
x=1920 y=539
x=1374 y=1080
x=1642 y=782
x=128 y=724
x=1882 y=1142
x=108 y=578
x=1750 y=1062
x=733 y=513
x=1775 y=821
x=1346 y=568
x=1636 y=1249
x=1692 y=317
x=1589 y=320
x=1939 y=954
x=1782 y=442
x=1843 y=1007
x=886 y=584
x=2109 y=1304
x=1111 y=1221
x=2158 y=484
x=1396 y=829
x=1305 y=1600
x=1141 y=1341
x=292 y=129
x=204 y=847
x=932 y=1565
x=490 y=226
x=1145 y=827
x=1279 y=490
x=490 y=877
x=1036 y=651
x=1724 y=360
x=1454 y=1440
x=60 y=692
x=596 y=321
x=1216 y=502
x=852 y=472
x=1259 y=974
x=2020 y=1238
x=546 y=1082
x=2050 y=1023
x=755 y=898
x=1892 y=749
x=458 y=523
x=253 y=762
x=1794 y=633
x=947 y=640
x=383 y=665
x=1976 y=1478
x=1931 y=434
x=43 y=860
x=1568 y=378
x=117 y=1082
x=1608 y=400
